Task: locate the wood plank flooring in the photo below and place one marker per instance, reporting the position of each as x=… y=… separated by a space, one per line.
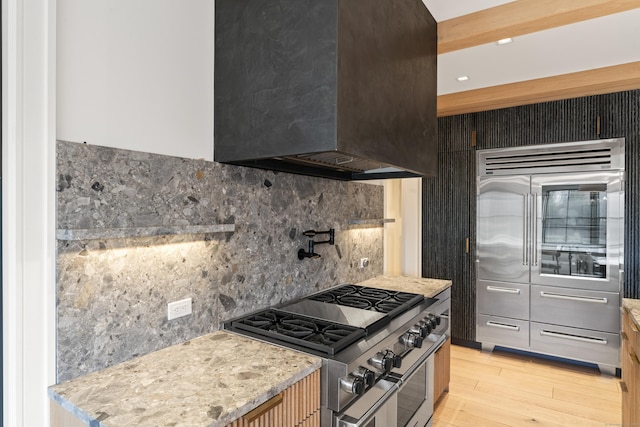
x=506 y=389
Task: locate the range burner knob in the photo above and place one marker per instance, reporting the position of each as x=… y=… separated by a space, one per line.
x=411 y=340
x=421 y=328
x=435 y=320
x=418 y=330
x=385 y=361
x=429 y=326
x=352 y=384
x=369 y=377
x=397 y=361
x=430 y=319
x=381 y=361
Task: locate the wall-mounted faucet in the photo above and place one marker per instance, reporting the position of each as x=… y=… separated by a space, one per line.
x=309 y=254
x=302 y=254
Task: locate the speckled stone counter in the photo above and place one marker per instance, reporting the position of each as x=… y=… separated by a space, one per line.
x=428 y=287
x=633 y=306
x=208 y=381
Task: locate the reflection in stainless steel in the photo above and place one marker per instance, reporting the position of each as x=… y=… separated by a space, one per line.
x=336 y=313
x=566 y=235
x=367 y=333
x=502 y=229
x=579 y=229
x=549 y=248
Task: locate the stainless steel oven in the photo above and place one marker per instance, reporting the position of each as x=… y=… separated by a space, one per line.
x=415 y=396
x=376 y=346
x=404 y=398
x=380 y=408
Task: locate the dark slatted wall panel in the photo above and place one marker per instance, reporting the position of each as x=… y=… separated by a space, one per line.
x=632 y=257
x=551 y=122
x=447 y=219
x=621 y=117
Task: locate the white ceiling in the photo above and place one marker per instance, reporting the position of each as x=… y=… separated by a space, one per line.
x=596 y=43
x=441 y=10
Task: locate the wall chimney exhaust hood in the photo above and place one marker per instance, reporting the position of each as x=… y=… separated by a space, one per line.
x=344 y=89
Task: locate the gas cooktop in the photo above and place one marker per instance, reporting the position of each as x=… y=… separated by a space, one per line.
x=365 y=298
x=315 y=334
x=331 y=320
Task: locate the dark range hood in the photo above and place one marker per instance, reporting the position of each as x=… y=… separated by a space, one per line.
x=344 y=89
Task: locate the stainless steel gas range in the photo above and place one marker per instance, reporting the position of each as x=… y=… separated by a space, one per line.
x=376 y=346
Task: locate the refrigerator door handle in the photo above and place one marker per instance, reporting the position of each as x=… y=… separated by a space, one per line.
x=534 y=220
x=544 y=294
x=504 y=290
x=525 y=229
x=503 y=326
x=592 y=340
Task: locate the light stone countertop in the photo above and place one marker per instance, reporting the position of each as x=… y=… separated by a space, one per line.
x=208 y=381
x=633 y=306
x=416 y=285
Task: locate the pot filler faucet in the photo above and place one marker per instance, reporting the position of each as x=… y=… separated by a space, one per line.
x=302 y=254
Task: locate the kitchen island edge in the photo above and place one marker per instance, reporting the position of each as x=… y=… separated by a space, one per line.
x=181 y=382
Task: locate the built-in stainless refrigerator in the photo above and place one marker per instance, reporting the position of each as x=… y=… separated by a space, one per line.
x=550 y=222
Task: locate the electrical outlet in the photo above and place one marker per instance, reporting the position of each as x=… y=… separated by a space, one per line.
x=364 y=262
x=179 y=308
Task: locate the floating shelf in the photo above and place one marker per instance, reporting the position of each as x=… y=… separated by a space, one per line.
x=379 y=222
x=119 y=233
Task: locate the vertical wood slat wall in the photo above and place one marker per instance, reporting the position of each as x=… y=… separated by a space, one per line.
x=300 y=407
x=446 y=226
x=448 y=220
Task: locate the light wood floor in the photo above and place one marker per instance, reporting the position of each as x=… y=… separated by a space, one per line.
x=505 y=389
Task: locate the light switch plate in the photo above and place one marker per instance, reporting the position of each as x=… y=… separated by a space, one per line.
x=179 y=309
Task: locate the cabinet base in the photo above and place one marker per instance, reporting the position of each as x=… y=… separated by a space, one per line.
x=487 y=348
x=607 y=370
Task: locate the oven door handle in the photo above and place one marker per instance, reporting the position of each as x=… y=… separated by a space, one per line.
x=412 y=360
x=359 y=415
x=418 y=363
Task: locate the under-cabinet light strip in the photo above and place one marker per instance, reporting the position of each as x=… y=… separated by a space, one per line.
x=119 y=233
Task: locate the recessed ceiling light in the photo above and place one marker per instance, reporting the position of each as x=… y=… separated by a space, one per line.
x=463 y=78
x=505 y=41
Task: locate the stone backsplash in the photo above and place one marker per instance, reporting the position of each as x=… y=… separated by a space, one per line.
x=113 y=293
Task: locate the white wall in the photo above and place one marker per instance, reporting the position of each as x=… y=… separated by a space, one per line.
x=137 y=75
x=412 y=227
x=403 y=238
x=28 y=217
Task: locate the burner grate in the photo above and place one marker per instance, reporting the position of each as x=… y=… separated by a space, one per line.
x=260 y=320
x=309 y=333
x=299 y=328
x=362 y=297
x=346 y=289
x=404 y=297
x=378 y=294
x=328 y=297
x=355 y=301
x=387 y=306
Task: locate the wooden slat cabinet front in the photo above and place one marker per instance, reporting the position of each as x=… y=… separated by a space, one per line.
x=630 y=371
x=442 y=368
x=60 y=417
x=297 y=406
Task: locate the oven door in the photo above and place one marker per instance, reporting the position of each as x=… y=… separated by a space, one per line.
x=415 y=395
x=376 y=408
x=403 y=398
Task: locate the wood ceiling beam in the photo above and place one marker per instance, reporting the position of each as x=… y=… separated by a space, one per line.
x=521 y=17
x=611 y=79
